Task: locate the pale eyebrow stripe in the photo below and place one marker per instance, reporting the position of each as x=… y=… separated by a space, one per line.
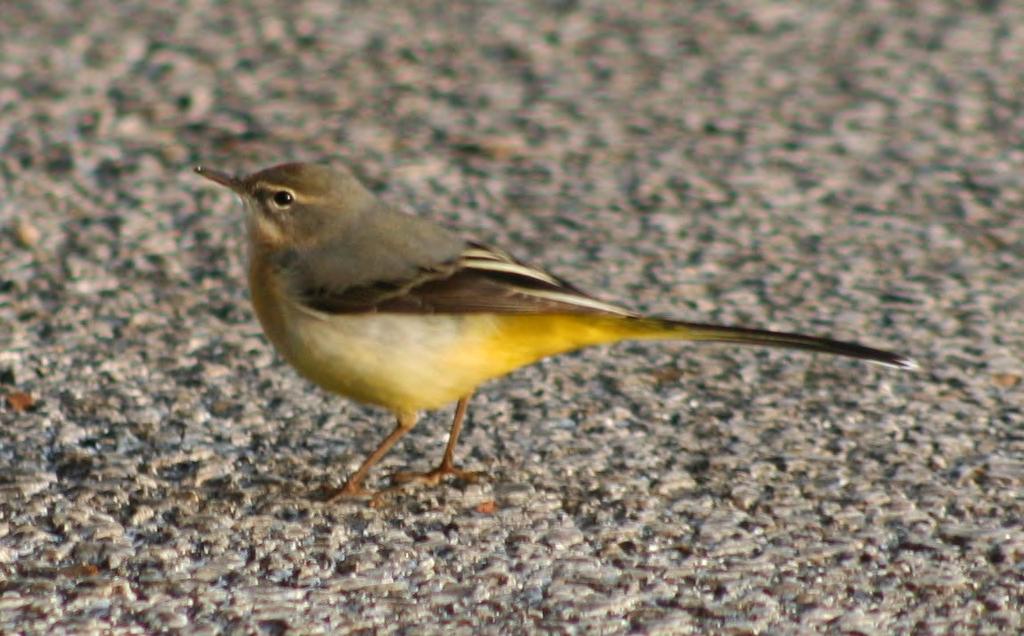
x=263 y=188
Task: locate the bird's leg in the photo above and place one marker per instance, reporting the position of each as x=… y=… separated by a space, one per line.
x=354 y=486
x=447 y=465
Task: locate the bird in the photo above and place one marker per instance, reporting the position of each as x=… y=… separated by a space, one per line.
x=395 y=310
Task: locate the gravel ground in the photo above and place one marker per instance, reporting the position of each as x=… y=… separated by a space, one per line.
x=848 y=168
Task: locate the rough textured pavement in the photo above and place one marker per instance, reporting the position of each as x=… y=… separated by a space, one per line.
x=845 y=168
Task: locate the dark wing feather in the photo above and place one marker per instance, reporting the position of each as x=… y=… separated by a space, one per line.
x=480 y=280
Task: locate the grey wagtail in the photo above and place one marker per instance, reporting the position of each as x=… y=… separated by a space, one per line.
x=390 y=309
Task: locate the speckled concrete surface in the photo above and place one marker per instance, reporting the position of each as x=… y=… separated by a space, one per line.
x=846 y=168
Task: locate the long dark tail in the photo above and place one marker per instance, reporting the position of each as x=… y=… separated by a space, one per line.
x=655 y=328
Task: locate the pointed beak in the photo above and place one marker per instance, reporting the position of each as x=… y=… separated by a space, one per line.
x=221 y=178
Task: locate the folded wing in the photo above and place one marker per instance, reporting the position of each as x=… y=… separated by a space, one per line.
x=479 y=280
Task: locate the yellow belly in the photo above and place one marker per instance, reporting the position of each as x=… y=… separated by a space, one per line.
x=412 y=362
x=402 y=362
x=409 y=362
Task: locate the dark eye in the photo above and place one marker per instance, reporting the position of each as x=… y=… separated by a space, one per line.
x=283 y=198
